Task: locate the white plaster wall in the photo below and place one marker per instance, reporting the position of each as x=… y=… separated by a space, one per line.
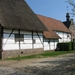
x=53 y=44
x=10 y=44
x=50 y=45
x=56 y=44
x=46 y=44
x=27 y=44
x=65 y=37
x=38 y=40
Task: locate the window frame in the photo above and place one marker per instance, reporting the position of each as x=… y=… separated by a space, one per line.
x=19 y=38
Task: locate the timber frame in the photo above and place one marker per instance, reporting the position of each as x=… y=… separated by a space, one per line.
x=1 y=39
x=5 y=52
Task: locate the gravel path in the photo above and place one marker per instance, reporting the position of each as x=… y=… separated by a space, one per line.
x=60 y=65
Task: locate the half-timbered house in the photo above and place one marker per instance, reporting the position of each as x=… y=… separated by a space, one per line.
x=21 y=32
x=58 y=32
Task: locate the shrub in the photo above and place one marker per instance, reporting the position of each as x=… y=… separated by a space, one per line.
x=64 y=46
x=73 y=45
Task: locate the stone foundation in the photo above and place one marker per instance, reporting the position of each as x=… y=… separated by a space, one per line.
x=16 y=53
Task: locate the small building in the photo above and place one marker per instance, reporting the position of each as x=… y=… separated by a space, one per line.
x=21 y=32
x=58 y=32
x=69 y=23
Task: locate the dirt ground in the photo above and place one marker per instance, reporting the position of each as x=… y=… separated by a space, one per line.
x=60 y=65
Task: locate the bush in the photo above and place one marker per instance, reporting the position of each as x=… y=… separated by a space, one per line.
x=73 y=45
x=64 y=46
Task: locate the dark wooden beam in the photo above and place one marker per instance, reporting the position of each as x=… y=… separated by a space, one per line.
x=49 y=45
x=1 y=37
x=32 y=40
x=1 y=40
x=19 y=38
x=43 y=39
x=39 y=37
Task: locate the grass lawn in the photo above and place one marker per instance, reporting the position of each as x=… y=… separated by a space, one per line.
x=42 y=55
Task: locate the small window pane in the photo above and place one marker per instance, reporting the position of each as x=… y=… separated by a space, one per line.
x=19 y=38
x=16 y=37
x=34 y=41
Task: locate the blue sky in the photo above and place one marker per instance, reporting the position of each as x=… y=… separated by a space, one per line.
x=56 y=9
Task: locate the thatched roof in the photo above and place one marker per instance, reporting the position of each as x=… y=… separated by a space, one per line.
x=53 y=25
x=17 y=14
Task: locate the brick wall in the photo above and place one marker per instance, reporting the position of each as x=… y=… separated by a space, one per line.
x=15 y=53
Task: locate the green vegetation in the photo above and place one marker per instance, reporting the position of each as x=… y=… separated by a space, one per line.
x=42 y=55
x=64 y=46
x=73 y=45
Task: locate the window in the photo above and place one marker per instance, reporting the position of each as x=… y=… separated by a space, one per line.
x=19 y=37
x=34 y=41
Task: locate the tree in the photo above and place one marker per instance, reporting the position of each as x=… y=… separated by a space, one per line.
x=72 y=3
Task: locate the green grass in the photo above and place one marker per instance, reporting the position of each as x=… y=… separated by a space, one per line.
x=42 y=55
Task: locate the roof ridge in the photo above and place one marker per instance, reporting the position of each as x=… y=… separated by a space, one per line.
x=47 y=17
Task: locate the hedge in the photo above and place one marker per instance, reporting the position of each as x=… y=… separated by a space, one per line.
x=65 y=46
x=73 y=45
